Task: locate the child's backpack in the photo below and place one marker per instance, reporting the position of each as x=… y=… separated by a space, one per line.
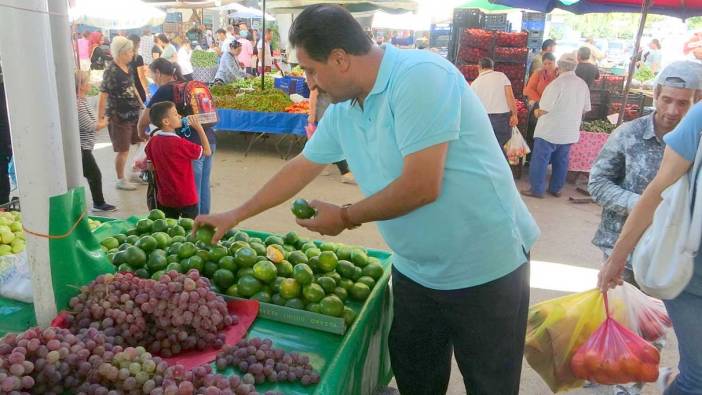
x=194 y=98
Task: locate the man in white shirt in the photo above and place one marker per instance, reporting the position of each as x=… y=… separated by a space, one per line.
x=560 y=113
x=495 y=92
x=268 y=36
x=223 y=40
x=146 y=43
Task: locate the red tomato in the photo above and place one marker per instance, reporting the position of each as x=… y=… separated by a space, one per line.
x=593 y=360
x=577 y=365
x=630 y=365
x=649 y=354
x=649 y=373
x=602 y=377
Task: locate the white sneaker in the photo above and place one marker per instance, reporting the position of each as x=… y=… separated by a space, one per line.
x=125 y=185
x=348 y=179
x=136 y=179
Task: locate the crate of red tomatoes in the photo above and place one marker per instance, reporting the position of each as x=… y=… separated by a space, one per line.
x=470 y=71
x=512 y=40
x=472 y=55
x=609 y=82
x=511 y=55
x=478 y=38
x=513 y=71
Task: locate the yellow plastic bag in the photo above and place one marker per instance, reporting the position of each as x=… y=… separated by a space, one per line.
x=555 y=330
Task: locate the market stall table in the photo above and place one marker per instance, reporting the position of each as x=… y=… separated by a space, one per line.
x=585 y=151
x=357 y=362
x=290 y=126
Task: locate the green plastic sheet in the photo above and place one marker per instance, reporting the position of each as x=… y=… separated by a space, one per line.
x=75 y=260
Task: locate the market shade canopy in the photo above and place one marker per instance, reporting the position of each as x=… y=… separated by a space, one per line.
x=188 y=3
x=485 y=6
x=406 y=21
x=108 y=14
x=241 y=11
x=676 y=8
x=351 y=5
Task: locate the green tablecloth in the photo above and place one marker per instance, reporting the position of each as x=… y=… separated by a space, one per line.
x=355 y=363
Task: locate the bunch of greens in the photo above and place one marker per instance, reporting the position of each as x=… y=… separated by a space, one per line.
x=269 y=100
x=599 y=126
x=250 y=83
x=644 y=74
x=203 y=59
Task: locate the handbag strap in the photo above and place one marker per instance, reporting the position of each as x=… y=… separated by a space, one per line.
x=692 y=244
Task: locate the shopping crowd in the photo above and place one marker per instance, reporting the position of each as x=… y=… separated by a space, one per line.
x=125 y=101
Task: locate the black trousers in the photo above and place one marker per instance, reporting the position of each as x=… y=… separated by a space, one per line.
x=343 y=167
x=91 y=171
x=177 y=212
x=485 y=325
x=500 y=125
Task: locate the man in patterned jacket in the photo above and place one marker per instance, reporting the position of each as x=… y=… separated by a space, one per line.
x=631 y=158
x=633 y=153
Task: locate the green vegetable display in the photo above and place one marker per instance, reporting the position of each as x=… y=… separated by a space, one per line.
x=644 y=74
x=599 y=126
x=203 y=59
x=249 y=83
x=269 y=100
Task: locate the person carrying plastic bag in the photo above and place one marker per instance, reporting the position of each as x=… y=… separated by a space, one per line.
x=685 y=302
x=557 y=328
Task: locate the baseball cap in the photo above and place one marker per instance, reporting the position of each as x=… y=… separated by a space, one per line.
x=568 y=58
x=681 y=74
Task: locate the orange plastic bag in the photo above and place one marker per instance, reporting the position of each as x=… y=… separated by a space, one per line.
x=615 y=355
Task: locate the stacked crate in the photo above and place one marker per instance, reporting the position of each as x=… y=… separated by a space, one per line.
x=606 y=97
x=508 y=50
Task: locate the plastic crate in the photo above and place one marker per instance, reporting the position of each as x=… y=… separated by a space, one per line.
x=292 y=85
x=467 y=18
x=533 y=25
x=599 y=96
x=610 y=82
x=470 y=72
x=511 y=55
x=514 y=40
x=496 y=22
x=535 y=42
x=597 y=111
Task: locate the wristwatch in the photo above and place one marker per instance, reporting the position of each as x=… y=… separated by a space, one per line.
x=346 y=219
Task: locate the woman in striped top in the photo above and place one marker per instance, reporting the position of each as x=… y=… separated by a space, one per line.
x=88 y=124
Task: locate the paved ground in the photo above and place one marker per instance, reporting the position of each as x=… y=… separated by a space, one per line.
x=564 y=259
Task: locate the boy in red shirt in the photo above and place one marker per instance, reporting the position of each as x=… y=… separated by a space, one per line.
x=172 y=158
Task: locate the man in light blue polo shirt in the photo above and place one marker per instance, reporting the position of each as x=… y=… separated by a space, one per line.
x=423 y=152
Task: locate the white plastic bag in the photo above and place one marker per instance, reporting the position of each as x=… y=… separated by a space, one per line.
x=15 y=279
x=516 y=148
x=663 y=260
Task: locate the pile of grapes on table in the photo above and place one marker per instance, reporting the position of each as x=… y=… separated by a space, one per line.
x=118 y=328
x=285 y=270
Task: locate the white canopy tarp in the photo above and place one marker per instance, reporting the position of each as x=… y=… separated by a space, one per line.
x=110 y=14
x=241 y=11
x=406 y=21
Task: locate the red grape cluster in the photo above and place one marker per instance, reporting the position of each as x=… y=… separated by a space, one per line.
x=51 y=360
x=54 y=361
x=261 y=362
x=176 y=313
